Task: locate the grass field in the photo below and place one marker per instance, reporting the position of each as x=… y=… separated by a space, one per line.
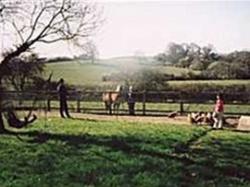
x=80 y=74
x=213 y=82
x=84 y=73
x=87 y=74
x=111 y=153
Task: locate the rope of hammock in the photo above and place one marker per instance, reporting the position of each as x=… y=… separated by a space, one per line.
x=14 y=120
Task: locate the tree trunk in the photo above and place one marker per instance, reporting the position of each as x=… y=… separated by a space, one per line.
x=2 y=129
x=3 y=70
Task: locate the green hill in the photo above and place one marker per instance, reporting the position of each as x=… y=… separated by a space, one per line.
x=84 y=73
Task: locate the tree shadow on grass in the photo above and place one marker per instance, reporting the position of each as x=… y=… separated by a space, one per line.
x=196 y=162
x=185 y=147
x=126 y=144
x=228 y=157
x=220 y=158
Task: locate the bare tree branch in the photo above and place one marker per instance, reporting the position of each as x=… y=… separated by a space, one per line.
x=19 y=31
x=33 y=26
x=50 y=21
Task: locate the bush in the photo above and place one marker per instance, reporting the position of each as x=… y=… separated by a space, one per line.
x=58 y=59
x=148 y=80
x=196 y=64
x=207 y=87
x=226 y=70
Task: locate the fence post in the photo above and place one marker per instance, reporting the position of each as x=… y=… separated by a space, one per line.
x=144 y=103
x=48 y=104
x=110 y=103
x=181 y=107
x=78 y=104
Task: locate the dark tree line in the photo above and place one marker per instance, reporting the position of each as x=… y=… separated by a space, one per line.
x=235 y=65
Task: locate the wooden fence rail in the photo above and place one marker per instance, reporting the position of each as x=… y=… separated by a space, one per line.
x=26 y=100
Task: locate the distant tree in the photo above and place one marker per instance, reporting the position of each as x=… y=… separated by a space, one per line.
x=184 y=55
x=219 y=70
x=194 y=50
x=146 y=79
x=243 y=58
x=185 y=62
x=208 y=56
x=161 y=58
x=23 y=70
x=206 y=59
x=175 y=52
x=240 y=63
x=197 y=64
x=239 y=70
x=90 y=51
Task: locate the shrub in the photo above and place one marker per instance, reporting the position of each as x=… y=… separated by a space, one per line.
x=148 y=80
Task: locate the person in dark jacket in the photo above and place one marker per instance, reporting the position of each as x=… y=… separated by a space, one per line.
x=131 y=101
x=62 y=92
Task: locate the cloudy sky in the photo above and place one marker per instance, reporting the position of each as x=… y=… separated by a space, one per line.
x=146 y=27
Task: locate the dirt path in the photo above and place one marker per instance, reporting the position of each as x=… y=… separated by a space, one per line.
x=231 y=122
x=149 y=119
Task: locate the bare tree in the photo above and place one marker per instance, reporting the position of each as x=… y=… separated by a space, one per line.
x=89 y=51
x=45 y=21
x=7 y=7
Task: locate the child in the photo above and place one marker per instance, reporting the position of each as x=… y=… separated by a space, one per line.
x=218 y=112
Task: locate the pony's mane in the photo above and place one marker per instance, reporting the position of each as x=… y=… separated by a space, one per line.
x=118 y=88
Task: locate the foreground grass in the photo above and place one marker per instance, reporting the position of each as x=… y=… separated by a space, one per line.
x=97 y=153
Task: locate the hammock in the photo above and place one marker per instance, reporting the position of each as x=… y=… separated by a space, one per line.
x=13 y=119
x=15 y=122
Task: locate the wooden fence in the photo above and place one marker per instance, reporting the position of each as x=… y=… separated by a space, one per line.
x=147 y=103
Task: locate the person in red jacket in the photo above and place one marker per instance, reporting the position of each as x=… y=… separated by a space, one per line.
x=218 y=112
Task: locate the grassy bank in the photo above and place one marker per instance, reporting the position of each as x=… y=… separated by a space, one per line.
x=90 y=76
x=87 y=74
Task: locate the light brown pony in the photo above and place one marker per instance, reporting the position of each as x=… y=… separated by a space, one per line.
x=112 y=99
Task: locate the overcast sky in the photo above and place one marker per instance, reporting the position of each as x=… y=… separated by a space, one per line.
x=146 y=27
